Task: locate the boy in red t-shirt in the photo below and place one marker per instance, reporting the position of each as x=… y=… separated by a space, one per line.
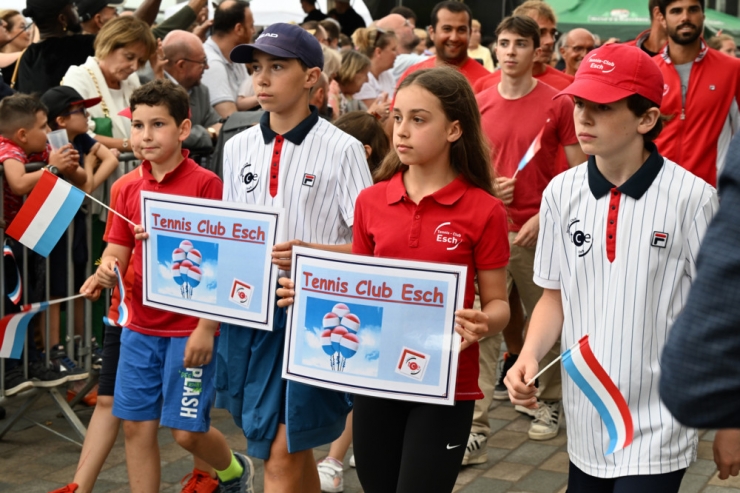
x=519 y=93
x=152 y=370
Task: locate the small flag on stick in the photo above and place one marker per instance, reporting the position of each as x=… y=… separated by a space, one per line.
x=534 y=148
x=124 y=313
x=17 y=292
x=13 y=330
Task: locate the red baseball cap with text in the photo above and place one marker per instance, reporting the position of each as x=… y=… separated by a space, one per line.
x=616 y=71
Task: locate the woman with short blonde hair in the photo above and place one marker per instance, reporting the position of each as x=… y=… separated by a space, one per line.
x=381 y=47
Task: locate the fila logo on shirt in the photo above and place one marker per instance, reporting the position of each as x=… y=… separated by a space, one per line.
x=248 y=177
x=191 y=389
x=444 y=234
x=659 y=239
x=581 y=240
x=308 y=180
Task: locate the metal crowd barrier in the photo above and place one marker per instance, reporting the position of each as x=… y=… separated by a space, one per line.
x=82 y=356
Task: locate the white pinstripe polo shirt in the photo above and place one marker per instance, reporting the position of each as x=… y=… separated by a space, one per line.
x=315 y=171
x=623 y=258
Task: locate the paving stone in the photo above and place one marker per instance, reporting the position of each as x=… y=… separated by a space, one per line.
x=467 y=474
x=542 y=482
x=702 y=467
x=486 y=485
x=504 y=412
x=704 y=451
x=559 y=462
x=731 y=482
x=692 y=483
x=708 y=436
x=507 y=439
x=532 y=454
x=497 y=424
x=507 y=471
x=520 y=424
x=719 y=489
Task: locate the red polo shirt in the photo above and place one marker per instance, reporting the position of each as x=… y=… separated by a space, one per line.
x=472 y=70
x=551 y=77
x=389 y=224
x=189 y=180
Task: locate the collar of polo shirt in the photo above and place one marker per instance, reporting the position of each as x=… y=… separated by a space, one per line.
x=638 y=183
x=297 y=135
x=447 y=195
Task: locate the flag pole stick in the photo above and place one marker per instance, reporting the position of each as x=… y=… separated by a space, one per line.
x=551 y=363
x=62 y=300
x=112 y=210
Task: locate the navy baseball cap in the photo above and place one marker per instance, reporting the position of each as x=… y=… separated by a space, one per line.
x=283 y=41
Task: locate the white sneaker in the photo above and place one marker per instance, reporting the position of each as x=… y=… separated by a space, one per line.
x=477 y=450
x=546 y=422
x=352 y=461
x=331 y=475
x=525 y=410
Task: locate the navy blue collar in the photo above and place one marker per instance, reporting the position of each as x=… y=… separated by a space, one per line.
x=637 y=184
x=296 y=135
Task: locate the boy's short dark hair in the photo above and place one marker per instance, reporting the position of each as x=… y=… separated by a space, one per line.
x=331 y=28
x=406 y=12
x=455 y=8
x=523 y=26
x=663 y=5
x=651 y=6
x=19 y=111
x=224 y=19
x=638 y=105
x=165 y=93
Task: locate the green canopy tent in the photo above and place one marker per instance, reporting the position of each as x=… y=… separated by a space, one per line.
x=625 y=19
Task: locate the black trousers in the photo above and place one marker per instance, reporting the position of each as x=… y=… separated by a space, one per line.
x=580 y=482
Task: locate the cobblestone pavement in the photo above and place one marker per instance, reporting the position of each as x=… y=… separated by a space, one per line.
x=33 y=460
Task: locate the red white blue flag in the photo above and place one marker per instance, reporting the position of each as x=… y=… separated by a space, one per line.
x=592 y=379
x=17 y=292
x=46 y=214
x=124 y=313
x=13 y=330
x=534 y=148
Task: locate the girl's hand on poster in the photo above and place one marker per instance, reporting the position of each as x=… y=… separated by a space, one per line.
x=199 y=348
x=281 y=253
x=91 y=289
x=140 y=233
x=285 y=292
x=471 y=325
x=521 y=394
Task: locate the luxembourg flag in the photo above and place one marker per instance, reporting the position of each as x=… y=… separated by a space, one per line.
x=13 y=330
x=592 y=379
x=534 y=148
x=124 y=313
x=15 y=295
x=46 y=214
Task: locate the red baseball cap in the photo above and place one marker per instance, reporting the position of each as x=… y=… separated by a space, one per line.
x=616 y=71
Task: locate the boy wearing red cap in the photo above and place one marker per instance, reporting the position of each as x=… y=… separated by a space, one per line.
x=616 y=254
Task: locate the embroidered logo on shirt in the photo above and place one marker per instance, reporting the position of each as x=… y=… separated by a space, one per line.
x=308 y=180
x=249 y=178
x=444 y=234
x=659 y=240
x=581 y=240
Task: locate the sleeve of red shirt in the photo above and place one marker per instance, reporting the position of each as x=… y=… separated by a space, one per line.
x=121 y=232
x=566 y=122
x=362 y=244
x=492 y=249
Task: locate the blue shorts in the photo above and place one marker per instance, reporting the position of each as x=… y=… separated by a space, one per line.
x=152 y=383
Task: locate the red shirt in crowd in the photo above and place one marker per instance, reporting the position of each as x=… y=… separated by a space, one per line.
x=553 y=78
x=187 y=179
x=471 y=69
x=510 y=142
x=10 y=150
x=389 y=224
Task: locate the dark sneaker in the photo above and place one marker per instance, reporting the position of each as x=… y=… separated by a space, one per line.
x=45 y=377
x=15 y=382
x=243 y=484
x=500 y=392
x=65 y=365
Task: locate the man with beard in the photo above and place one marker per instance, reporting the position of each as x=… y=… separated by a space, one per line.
x=701 y=93
x=578 y=43
x=185 y=62
x=544 y=16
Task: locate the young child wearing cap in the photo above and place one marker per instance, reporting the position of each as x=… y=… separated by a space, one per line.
x=295 y=160
x=162 y=352
x=616 y=255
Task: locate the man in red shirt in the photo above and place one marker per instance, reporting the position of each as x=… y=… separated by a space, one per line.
x=543 y=14
x=701 y=93
x=520 y=188
x=652 y=40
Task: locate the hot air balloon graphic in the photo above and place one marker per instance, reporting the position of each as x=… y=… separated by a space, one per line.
x=195 y=257
x=348 y=347
x=175 y=270
x=340 y=309
x=178 y=255
x=327 y=346
x=187 y=268
x=186 y=245
x=194 y=276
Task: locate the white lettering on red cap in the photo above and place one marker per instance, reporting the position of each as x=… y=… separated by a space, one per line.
x=599 y=64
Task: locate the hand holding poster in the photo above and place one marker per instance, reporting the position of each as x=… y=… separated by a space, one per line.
x=210 y=259
x=374 y=326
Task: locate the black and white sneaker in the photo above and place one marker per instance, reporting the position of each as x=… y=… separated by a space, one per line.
x=65 y=365
x=44 y=377
x=477 y=450
x=15 y=382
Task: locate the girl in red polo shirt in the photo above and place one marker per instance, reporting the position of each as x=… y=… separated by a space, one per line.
x=439 y=177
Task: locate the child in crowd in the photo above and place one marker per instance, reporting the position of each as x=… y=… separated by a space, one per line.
x=368 y=130
x=440 y=172
x=284 y=420
x=616 y=255
x=153 y=344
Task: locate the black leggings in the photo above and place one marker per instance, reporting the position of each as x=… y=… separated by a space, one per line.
x=405 y=447
x=580 y=482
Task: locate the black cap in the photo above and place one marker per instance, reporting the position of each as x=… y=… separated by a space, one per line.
x=87 y=9
x=44 y=8
x=59 y=99
x=283 y=41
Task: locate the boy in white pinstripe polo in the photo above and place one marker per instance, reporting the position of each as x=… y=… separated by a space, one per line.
x=616 y=254
x=295 y=160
